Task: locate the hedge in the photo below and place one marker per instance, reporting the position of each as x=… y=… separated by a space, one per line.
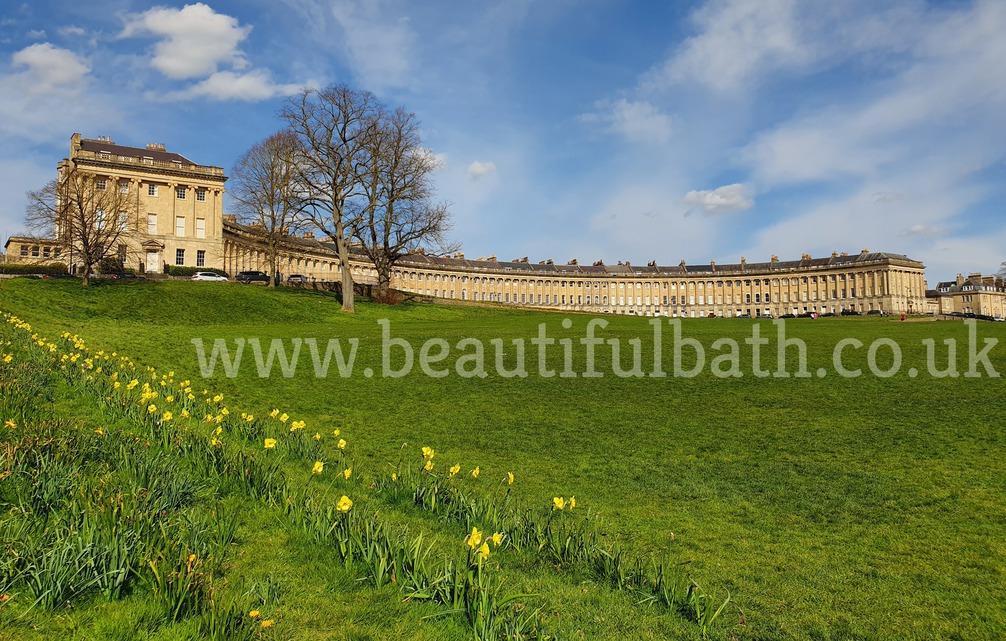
x=21 y=268
x=176 y=270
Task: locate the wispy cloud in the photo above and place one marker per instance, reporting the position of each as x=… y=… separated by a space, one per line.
x=229 y=85
x=638 y=122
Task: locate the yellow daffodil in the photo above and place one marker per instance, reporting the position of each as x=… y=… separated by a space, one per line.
x=455 y=469
x=394 y=477
x=344 y=504
x=10 y=423
x=484 y=551
x=151 y=409
x=284 y=417
x=474 y=539
x=167 y=416
x=7 y=358
x=251 y=417
x=274 y=413
x=475 y=472
x=572 y=502
x=133 y=383
x=218 y=431
x=116 y=385
x=254 y=614
x=558 y=503
x=218 y=398
x=318 y=467
x=185 y=413
x=317 y=437
x=341 y=444
x=270 y=443
x=428 y=466
x=268 y=623
x=509 y=478
x=428 y=453
x=99 y=432
x=335 y=432
x=224 y=411
x=170 y=399
x=214 y=442
x=347 y=472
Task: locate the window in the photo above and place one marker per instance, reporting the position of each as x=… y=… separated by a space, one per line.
x=55 y=252
x=179 y=256
x=179 y=226
x=151 y=223
x=46 y=252
x=180 y=193
x=123 y=186
x=24 y=251
x=200 y=228
x=99 y=218
x=201 y=195
x=34 y=251
x=152 y=190
x=100 y=184
x=122 y=254
x=123 y=220
x=200 y=258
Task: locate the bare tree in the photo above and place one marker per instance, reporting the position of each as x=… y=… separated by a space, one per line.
x=397 y=214
x=268 y=193
x=330 y=125
x=88 y=216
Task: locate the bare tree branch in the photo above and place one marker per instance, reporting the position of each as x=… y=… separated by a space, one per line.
x=268 y=192
x=89 y=215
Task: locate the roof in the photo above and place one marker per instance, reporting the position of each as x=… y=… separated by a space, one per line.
x=627 y=270
x=107 y=147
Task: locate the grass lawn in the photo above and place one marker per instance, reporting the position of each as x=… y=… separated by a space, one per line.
x=828 y=507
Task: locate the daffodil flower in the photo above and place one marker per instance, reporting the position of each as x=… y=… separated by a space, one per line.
x=509 y=478
x=455 y=469
x=558 y=503
x=475 y=472
x=474 y=539
x=347 y=472
x=344 y=504
x=270 y=443
x=318 y=467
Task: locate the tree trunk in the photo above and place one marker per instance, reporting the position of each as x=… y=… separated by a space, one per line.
x=348 y=295
x=383 y=279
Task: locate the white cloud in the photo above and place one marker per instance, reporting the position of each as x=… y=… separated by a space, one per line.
x=49 y=68
x=638 y=122
x=727 y=199
x=478 y=169
x=196 y=39
x=228 y=85
x=48 y=95
x=35 y=34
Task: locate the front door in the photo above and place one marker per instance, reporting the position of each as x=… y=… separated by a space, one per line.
x=153 y=262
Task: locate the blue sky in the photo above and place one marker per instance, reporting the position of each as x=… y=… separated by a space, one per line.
x=592 y=129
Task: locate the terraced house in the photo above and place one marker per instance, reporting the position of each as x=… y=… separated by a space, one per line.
x=180 y=221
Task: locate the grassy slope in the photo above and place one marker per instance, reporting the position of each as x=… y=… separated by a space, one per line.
x=830 y=508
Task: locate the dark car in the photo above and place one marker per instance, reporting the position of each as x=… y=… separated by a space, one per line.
x=252 y=277
x=851 y=312
x=875 y=312
x=828 y=314
x=126 y=276
x=296 y=279
x=788 y=316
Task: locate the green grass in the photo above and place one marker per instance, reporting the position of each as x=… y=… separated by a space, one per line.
x=829 y=508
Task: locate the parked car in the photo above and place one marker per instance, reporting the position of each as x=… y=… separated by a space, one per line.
x=209 y=276
x=252 y=277
x=875 y=312
x=828 y=314
x=851 y=312
x=296 y=279
x=788 y=316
